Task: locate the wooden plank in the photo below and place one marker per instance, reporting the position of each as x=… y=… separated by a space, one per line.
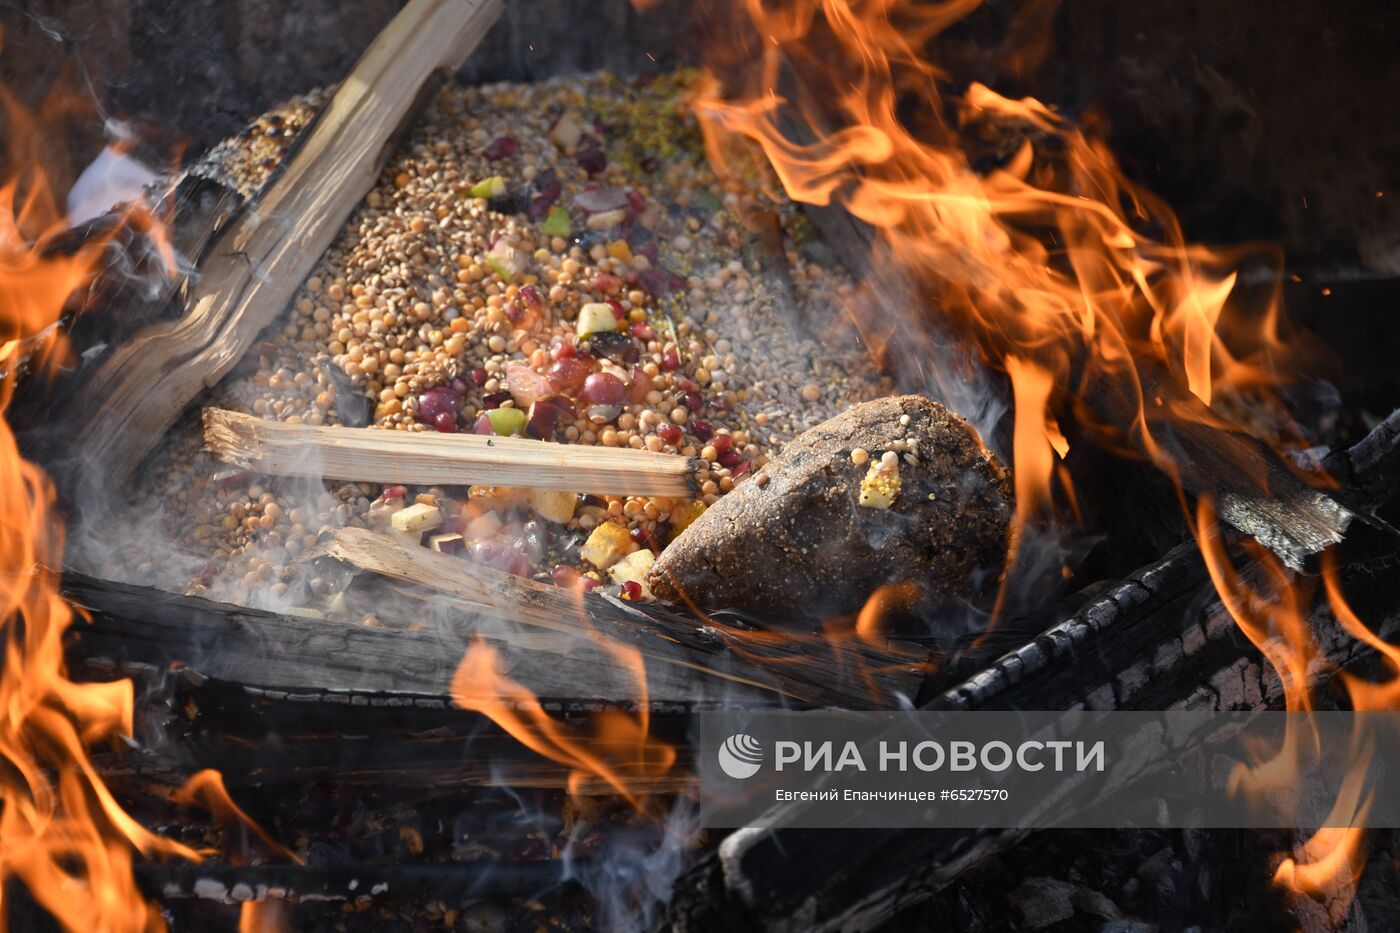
x=430 y=458
x=255 y=267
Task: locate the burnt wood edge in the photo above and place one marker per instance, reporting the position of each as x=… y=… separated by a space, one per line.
x=1158 y=640
x=258 y=649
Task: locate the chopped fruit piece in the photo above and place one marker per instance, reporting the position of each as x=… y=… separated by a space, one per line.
x=567 y=131
x=507 y=421
x=488 y=188
x=394 y=492
x=501 y=147
x=447 y=544
x=417 y=519
x=568 y=372
x=557 y=507
x=525 y=385
x=484 y=525
x=498 y=555
x=881 y=484
x=633 y=569
x=483 y=426
x=594 y=318
x=499 y=268
x=671 y=359
x=445 y=422
x=687 y=515
x=618 y=249
x=606 y=545
x=603 y=389
x=556 y=223
x=382 y=510
x=631 y=590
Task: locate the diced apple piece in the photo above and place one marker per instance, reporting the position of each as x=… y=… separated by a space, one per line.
x=634 y=569
x=446 y=544
x=507 y=421
x=488 y=187
x=606 y=545
x=557 y=507
x=594 y=318
x=417 y=519
x=567 y=131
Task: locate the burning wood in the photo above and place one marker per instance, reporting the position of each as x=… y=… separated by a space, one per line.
x=431 y=458
x=254 y=268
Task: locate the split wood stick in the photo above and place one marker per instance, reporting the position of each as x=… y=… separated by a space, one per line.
x=256 y=265
x=852 y=675
x=429 y=458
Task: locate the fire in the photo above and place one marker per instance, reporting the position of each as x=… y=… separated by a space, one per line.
x=1068 y=281
x=616 y=748
x=62 y=833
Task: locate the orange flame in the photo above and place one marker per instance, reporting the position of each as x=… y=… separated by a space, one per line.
x=62 y=833
x=615 y=748
x=1058 y=269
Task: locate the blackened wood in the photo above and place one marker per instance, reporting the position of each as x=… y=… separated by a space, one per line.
x=690 y=661
x=1159 y=640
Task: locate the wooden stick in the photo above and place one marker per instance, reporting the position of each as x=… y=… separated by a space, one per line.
x=259 y=261
x=430 y=458
x=854 y=675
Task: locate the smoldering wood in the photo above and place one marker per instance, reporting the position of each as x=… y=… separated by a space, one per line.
x=1158 y=640
x=433 y=459
x=257 y=263
x=815 y=671
x=689 y=661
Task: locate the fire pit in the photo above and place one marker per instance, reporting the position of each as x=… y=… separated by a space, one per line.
x=479 y=400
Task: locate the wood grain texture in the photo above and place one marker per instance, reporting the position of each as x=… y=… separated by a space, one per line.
x=430 y=458
x=257 y=264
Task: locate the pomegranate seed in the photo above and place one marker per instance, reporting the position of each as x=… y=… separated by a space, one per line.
x=693 y=401
x=631 y=590
x=637 y=201
x=603 y=389
x=742 y=468
x=643 y=331
x=671 y=359
x=514 y=312
x=670 y=433
x=606 y=282
x=531 y=296
x=563 y=350
x=722 y=442
x=617 y=309
x=459 y=386
x=478 y=376
x=729 y=459
x=501 y=147
x=639 y=535
x=701 y=429
x=446 y=422
x=685 y=385
x=495 y=399
x=394 y=492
